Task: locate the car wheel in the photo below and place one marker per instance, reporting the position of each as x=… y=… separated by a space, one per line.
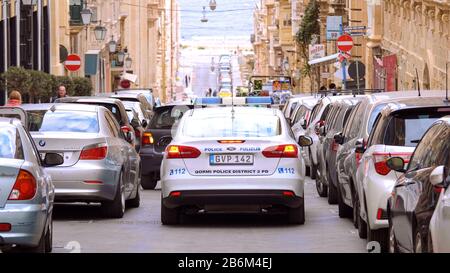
x=362 y=226
x=313 y=168
x=116 y=208
x=380 y=235
x=135 y=202
x=344 y=210
x=392 y=240
x=49 y=238
x=297 y=215
x=332 y=193
x=355 y=211
x=169 y=216
x=149 y=182
x=322 y=189
x=419 y=244
x=307 y=171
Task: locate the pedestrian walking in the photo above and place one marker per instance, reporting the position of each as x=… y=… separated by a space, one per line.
x=14 y=99
x=61 y=93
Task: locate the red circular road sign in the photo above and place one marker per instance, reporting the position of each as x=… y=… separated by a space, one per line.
x=345 y=43
x=73 y=62
x=125 y=84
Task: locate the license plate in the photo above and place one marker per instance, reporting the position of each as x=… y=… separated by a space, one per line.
x=230 y=159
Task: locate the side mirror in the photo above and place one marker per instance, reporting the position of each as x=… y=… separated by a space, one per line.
x=360 y=146
x=53 y=160
x=437 y=176
x=144 y=123
x=303 y=123
x=305 y=141
x=339 y=139
x=396 y=164
x=289 y=121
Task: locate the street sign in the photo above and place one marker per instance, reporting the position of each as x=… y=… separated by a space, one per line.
x=357 y=70
x=73 y=62
x=316 y=51
x=344 y=56
x=345 y=43
x=334 y=25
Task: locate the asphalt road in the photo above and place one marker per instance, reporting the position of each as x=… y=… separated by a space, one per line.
x=80 y=228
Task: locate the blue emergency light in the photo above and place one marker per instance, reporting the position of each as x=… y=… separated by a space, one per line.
x=259 y=100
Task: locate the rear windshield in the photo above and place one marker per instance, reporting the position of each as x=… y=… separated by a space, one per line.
x=408 y=129
x=225 y=126
x=166 y=117
x=63 y=121
x=10 y=146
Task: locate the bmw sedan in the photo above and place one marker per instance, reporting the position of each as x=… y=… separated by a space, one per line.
x=227 y=159
x=100 y=164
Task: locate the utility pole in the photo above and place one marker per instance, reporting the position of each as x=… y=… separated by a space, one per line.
x=163 y=62
x=39 y=35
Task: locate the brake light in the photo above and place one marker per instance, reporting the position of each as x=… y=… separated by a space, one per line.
x=231 y=141
x=5 y=227
x=24 y=187
x=175 y=194
x=281 y=151
x=380 y=160
x=94 y=152
x=289 y=194
x=438 y=189
x=319 y=124
x=381 y=214
x=125 y=129
x=148 y=139
x=334 y=146
x=175 y=151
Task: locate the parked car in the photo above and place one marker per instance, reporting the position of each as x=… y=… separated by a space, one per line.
x=148 y=93
x=356 y=131
x=100 y=164
x=396 y=132
x=114 y=105
x=138 y=127
x=418 y=209
x=156 y=138
x=292 y=104
x=134 y=97
x=26 y=189
x=327 y=146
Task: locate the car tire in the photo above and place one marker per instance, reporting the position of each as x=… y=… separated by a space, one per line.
x=393 y=248
x=344 y=210
x=381 y=236
x=419 y=245
x=355 y=211
x=362 y=226
x=296 y=216
x=116 y=208
x=169 y=216
x=149 y=182
x=135 y=202
x=322 y=189
x=307 y=171
x=49 y=238
x=312 y=168
x=332 y=193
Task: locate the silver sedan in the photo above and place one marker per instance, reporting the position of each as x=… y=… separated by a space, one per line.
x=100 y=164
x=26 y=190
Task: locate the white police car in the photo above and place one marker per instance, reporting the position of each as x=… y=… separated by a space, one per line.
x=233 y=159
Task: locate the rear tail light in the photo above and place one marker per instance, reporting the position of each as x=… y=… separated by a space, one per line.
x=125 y=129
x=334 y=146
x=231 y=141
x=24 y=188
x=380 y=159
x=94 y=152
x=148 y=139
x=382 y=214
x=175 y=194
x=289 y=194
x=175 y=151
x=5 y=227
x=281 y=151
x=438 y=189
x=319 y=124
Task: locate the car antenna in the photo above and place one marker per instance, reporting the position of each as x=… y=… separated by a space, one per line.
x=418 y=82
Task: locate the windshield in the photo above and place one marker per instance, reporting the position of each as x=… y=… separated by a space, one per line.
x=63 y=121
x=408 y=129
x=225 y=126
x=165 y=117
x=10 y=147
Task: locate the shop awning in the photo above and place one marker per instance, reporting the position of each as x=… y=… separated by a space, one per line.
x=325 y=60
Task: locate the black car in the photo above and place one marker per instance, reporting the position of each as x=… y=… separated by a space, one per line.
x=414 y=197
x=155 y=140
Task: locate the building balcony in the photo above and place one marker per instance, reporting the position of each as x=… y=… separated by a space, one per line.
x=75 y=9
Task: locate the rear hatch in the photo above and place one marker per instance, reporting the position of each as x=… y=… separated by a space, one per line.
x=9 y=169
x=68 y=145
x=234 y=159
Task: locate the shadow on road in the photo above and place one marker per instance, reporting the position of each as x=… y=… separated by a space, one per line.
x=233 y=220
x=67 y=212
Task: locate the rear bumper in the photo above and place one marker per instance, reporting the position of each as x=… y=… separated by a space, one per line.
x=151 y=160
x=85 y=182
x=233 y=197
x=27 y=224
